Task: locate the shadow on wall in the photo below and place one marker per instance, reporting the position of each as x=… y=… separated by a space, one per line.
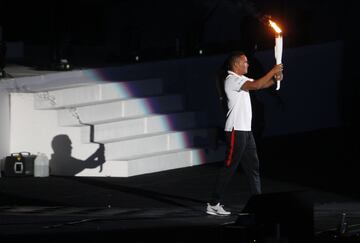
x=62 y=163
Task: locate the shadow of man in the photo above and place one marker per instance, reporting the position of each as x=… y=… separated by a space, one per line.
x=62 y=163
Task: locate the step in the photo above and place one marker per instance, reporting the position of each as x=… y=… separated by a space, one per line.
x=122 y=109
x=162 y=142
x=99 y=93
x=157 y=162
x=113 y=131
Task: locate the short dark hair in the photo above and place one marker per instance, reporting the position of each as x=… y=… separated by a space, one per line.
x=232 y=59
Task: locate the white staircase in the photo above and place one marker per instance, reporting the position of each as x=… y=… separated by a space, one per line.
x=143 y=129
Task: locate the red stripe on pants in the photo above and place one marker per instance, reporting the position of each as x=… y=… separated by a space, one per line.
x=232 y=141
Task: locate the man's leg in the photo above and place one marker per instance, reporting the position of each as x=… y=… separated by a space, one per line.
x=250 y=165
x=235 y=148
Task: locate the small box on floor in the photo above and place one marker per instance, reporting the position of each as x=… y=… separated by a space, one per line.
x=19 y=164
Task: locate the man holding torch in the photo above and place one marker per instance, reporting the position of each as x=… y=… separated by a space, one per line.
x=241 y=147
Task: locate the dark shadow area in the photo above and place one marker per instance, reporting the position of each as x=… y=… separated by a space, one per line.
x=62 y=163
x=15 y=199
x=2 y=57
x=286 y=216
x=256 y=71
x=322 y=159
x=118 y=32
x=185 y=187
x=170 y=199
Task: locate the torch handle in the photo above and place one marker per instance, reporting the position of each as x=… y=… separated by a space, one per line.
x=278 y=82
x=277 y=85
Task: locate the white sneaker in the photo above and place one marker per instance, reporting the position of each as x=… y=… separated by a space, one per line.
x=217 y=210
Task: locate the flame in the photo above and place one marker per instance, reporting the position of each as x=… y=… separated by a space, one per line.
x=275 y=26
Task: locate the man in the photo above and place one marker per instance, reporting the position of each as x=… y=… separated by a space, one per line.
x=241 y=147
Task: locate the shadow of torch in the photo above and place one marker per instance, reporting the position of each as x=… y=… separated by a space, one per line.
x=92 y=134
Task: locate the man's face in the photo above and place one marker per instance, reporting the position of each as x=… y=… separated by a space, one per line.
x=241 y=65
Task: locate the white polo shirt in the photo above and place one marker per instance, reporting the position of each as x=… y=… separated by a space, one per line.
x=239 y=115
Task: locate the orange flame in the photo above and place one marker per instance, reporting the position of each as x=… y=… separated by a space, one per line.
x=275 y=26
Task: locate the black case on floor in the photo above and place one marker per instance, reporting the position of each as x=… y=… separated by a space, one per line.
x=19 y=164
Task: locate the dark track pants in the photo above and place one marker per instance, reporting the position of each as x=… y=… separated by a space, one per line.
x=241 y=149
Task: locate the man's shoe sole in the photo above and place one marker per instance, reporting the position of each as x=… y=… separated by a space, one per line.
x=216 y=214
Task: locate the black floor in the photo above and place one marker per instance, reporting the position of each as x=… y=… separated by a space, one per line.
x=155 y=206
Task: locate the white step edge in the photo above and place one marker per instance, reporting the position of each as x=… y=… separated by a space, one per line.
x=99 y=93
x=122 y=109
x=125 y=149
x=107 y=132
x=157 y=162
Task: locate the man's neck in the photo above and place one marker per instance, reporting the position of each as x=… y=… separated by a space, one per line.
x=237 y=73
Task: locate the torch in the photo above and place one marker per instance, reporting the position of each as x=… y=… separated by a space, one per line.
x=278 y=46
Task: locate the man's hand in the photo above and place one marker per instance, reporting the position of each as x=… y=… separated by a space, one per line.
x=279 y=76
x=277 y=69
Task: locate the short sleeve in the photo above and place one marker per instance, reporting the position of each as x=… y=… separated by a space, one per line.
x=238 y=82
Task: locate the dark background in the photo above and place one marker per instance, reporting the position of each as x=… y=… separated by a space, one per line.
x=159 y=28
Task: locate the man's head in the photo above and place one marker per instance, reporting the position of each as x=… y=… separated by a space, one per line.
x=238 y=63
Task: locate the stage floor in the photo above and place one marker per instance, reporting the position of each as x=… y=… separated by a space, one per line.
x=170 y=200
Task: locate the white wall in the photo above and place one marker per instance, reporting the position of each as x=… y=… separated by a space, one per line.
x=33 y=130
